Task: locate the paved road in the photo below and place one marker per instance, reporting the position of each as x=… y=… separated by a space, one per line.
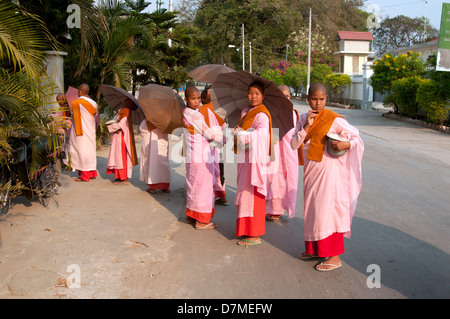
x=124 y=243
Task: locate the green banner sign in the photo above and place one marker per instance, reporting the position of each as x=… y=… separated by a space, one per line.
x=443 y=55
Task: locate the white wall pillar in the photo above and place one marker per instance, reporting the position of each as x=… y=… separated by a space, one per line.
x=367 y=88
x=55 y=75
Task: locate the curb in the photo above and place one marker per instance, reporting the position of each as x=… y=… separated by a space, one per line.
x=436 y=127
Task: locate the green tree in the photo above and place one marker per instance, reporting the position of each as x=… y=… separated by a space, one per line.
x=401 y=31
x=23 y=42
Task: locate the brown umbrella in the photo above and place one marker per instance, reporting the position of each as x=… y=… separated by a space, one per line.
x=116 y=96
x=229 y=97
x=162 y=106
x=207 y=73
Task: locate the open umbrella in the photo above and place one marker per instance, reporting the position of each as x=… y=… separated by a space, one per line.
x=71 y=95
x=229 y=97
x=208 y=72
x=115 y=97
x=162 y=106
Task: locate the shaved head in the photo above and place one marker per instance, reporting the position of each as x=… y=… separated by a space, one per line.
x=83 y=89
x=190 y=90
x=317 y=87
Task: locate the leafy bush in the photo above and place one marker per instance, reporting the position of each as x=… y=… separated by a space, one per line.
x=319 y=72
x=390 y=68
x=430 y=98
x=294 y=76
x=273 y=75
x=404 y=95
x=336 y=84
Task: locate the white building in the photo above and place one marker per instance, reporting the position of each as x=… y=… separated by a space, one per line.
x=426 y=49
x=354 y=48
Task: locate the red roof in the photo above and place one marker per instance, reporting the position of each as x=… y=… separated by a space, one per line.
x=355 y=35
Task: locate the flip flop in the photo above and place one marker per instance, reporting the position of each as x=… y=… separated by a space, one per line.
x=307 y=256
x=327 y=269
x=151 y=191
x=208 y=226
x=218 y=202
x=79 y=180
x=248 y=242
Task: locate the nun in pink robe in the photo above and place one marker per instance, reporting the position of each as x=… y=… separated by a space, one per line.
x=122 y=154
x=200 y=165
x=155 y=165
x=282 y=178
x=82 y=148
x=330 y=200
x=252 y=165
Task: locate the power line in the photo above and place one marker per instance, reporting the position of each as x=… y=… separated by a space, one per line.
x=402 y=4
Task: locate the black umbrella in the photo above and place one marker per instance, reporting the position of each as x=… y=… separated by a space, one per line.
x=229 y=94
x=208 y=72
x=163 y=107
x=116 y=96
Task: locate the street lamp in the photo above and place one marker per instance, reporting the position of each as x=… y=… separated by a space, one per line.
x=237 y=49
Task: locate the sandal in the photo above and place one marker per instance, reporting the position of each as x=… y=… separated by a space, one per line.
x=305 y=256
x=328 y=269
x=207 y=226
x=219 y=202
x=247 y=242
x=273 y=218
x=151 y=191
x=79 y=180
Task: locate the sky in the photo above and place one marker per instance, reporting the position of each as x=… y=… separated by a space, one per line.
x=432 y=9
x=387 y=8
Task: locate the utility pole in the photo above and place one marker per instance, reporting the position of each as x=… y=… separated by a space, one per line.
x=250 y=53
x=309 y=54
x=243 y=55
x=169 y=41
x=425 y=28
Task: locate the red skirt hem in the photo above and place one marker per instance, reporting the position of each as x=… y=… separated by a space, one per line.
x=332 y=245
x=253 y=226
x=201 y=217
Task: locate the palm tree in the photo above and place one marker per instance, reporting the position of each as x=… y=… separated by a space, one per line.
x=23 y=41
x=117 y=53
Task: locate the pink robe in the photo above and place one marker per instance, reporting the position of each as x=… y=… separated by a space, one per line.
x=200 y=162
x=115 y=153
x=154 y=166
x=82 y=149
x=252 y=164
x=330 y=187
x=219 y=189
x=282 y=179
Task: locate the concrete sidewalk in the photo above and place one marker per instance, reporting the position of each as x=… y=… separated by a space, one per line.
x=121 y=242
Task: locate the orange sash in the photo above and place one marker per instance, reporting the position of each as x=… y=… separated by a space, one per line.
x=203 y=109
x=125 y=112
x=318 y=135
x=246 y=122
x=77 y=114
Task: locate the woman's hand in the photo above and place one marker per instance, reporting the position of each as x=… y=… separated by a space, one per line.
x=309 y=120
x=338 y=146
